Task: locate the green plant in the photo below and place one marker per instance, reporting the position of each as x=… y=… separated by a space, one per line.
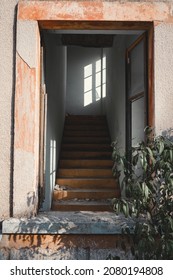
x=148 y=185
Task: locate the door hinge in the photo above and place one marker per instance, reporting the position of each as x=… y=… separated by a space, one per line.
x=128 y=60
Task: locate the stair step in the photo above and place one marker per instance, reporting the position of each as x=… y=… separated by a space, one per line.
x=89 y=127
x=86 y=140
x=89 y=183
x=85 y=181
x=86 y=147
x=85 y=194
x=85 y=163
x=86 y=155
x=82 y=205
x=86 y=133
x=69 y=172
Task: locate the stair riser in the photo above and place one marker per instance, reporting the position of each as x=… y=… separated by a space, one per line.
x=86 y=127
x=82 y=208
x=86 y=147
x=85 y=155
x=85 y=163
x=100 y=122
x=87 y=183
x=65 y=195
x=86 y=133
x=86 y=173
x=86 y=140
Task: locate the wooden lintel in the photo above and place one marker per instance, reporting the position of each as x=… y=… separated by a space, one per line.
x=94 y=25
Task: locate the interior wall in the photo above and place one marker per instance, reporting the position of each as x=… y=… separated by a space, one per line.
x=83 y=64
x=56 y=94
x=116 y=90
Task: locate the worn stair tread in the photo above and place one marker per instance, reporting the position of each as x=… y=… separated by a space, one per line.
x=85 y=163
x=86 y=140
x=86 y=133
x=76 y=190
x=86 y=127
x=87 y=182
x=78 y=172
x=86 y=147
x=86 y=154
x=79 y=201
x=85 y=194
x=82 y=205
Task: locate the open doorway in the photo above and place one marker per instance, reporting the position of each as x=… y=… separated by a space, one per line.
x=83 y=78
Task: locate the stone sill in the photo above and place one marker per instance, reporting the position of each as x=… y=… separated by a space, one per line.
x=84 y=222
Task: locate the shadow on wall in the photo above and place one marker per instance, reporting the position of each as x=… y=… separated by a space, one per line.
x=168 y=133
x=86 y=81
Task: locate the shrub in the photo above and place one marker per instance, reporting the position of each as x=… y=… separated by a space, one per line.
x=148 y=184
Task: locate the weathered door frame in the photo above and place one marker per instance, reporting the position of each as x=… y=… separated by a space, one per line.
x=142 y=94
x=36 y=15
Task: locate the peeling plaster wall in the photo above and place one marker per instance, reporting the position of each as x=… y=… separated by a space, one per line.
x=56 y=94
x=26 y=140
x=7 y=48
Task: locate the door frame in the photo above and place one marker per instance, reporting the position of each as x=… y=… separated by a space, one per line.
x=137 y=96
x=92 y=25
x=31 y=18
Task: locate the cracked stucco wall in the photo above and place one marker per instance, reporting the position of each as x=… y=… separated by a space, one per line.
x=7 y=48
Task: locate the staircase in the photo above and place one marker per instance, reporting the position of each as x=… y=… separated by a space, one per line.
x=84 y=179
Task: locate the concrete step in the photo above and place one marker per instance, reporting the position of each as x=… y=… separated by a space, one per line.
x=85 y=163
x=86 y=140
x=86 y=155
x=86 y=147
x=88 y=183
x=85 y=194
x=81 y=172
x=82 y=205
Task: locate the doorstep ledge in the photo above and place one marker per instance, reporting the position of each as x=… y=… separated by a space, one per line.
x=83 y=222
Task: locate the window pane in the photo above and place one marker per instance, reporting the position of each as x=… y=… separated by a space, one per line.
x=138 y=121
x=137 y=69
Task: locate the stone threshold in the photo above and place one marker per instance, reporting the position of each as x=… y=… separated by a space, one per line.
x=83 y=222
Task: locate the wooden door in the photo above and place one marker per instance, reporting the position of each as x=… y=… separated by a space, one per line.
x=136 y=92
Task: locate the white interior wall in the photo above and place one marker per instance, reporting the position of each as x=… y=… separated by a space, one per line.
x=56 y=92
x=83 y=81
x=116 y=87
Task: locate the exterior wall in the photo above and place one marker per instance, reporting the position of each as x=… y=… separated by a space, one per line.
x=78 y=59
x=7 y=69
x=163 y=59
x=65 y=247
x=56 y=93
x=26 y=141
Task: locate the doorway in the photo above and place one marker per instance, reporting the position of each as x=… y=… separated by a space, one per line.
x=91 y=80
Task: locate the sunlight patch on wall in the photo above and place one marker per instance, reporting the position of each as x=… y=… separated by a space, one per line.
x=87 y=85
x=52 y=162
x=95 y=81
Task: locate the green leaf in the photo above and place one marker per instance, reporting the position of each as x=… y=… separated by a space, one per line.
x=171 y=155
x=161 y=147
